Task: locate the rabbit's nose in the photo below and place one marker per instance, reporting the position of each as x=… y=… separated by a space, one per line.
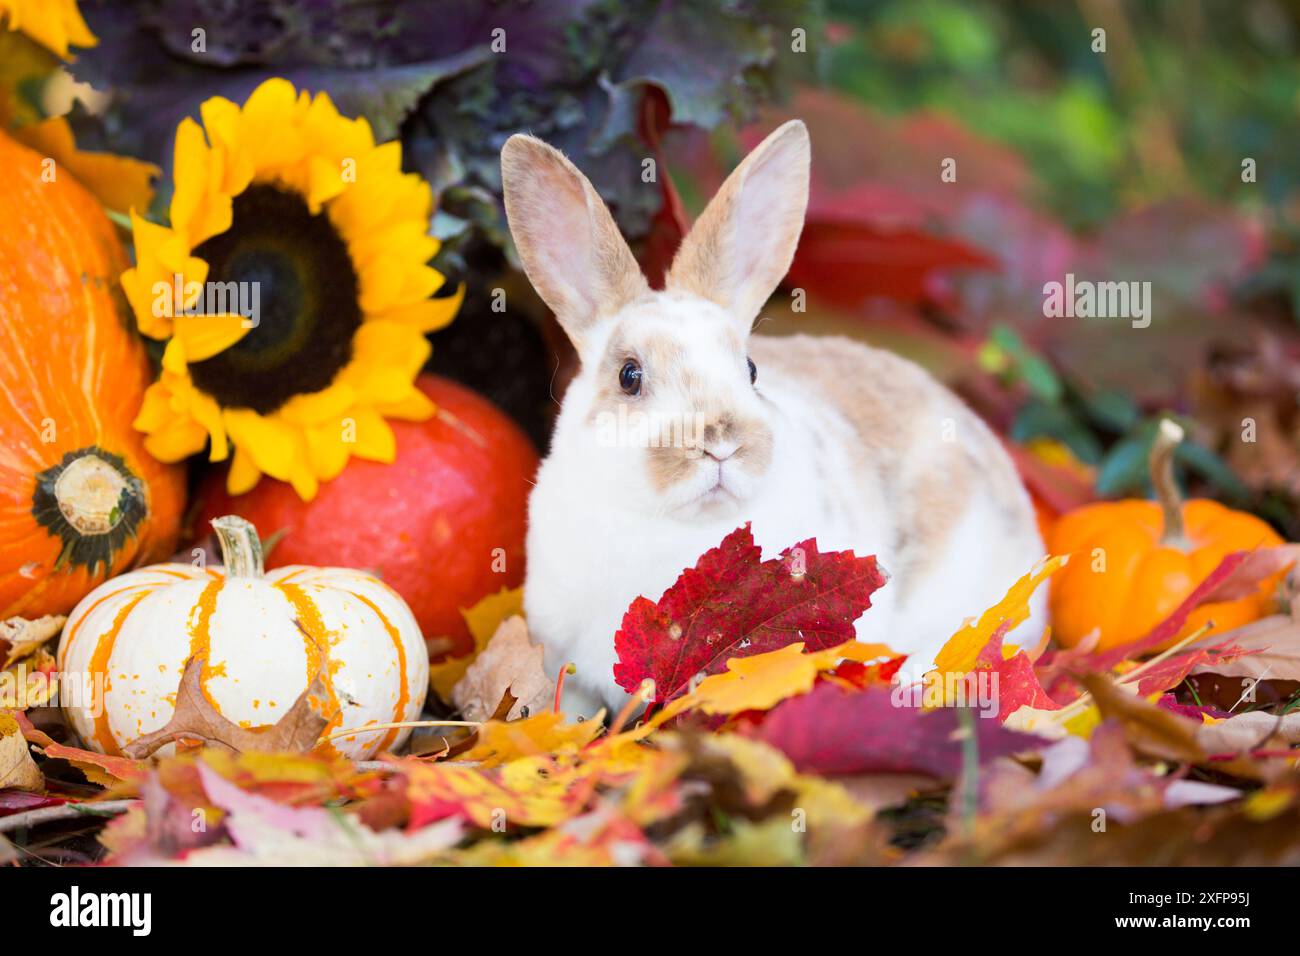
x=721 y=451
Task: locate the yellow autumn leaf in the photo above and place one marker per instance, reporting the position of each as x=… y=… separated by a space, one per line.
x=960 y=653
x=551 y=848
x=500 y=741
x=482 y=619
x=1267 y=802
x=771 y=842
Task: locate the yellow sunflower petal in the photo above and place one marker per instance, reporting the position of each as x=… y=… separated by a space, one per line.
x=178 y=420
x=386 y=359
x=415 y=406
x=162 y=264
x=304 y=481
x=327 y=450
x=272 y=444
x=328 y=405
x=155 y=409
x=243 y=474
x=221 y=122
x=176 y=441
x=428 y=315
x=263 y=133
x=54 y=24
x=207 y=413
x=199 y=207
x=375 y=439
x=324 y=182
x=174 y=361
x=409 y=239
x=203 y=336
x=390 y=345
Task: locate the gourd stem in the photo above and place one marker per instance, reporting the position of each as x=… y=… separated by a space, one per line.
x=1162 y=477
x=241 y=549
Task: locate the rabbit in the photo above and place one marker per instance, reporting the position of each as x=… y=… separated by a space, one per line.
x=801 y=436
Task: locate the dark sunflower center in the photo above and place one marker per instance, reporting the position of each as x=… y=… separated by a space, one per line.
x=296 y=269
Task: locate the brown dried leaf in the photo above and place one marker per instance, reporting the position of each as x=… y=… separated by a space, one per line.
x=1150 y=729
x=20 y=638
x=195 y=719
x=1158 y=732
x=510 y=663
x=17 y=768
x=1247 y=732
x=1274 y=641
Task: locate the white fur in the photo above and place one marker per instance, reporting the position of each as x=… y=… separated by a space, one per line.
x=599 y=537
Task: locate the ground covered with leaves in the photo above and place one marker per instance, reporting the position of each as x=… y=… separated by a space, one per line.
x=761 y=736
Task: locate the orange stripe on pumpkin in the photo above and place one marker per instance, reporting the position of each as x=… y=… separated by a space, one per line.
x=404 y=695
x=316 y=643
x=201 y=635
x=99 y=664
x=72 y=634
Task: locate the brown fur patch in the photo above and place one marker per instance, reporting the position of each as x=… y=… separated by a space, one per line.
x=936 y=502
x=896 y=410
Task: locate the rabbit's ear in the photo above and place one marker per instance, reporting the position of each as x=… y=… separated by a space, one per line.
x=741 y=246
x=566 y=238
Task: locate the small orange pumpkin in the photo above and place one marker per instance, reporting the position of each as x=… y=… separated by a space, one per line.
x=1134 y=561
x=80 y=498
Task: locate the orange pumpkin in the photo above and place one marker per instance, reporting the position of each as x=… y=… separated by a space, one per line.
x=1133 y=562
x=80 y=499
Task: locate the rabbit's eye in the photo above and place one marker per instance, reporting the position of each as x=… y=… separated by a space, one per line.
x=630 y=377
x=753 y=371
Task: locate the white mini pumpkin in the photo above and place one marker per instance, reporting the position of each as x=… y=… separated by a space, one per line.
x=262 y=638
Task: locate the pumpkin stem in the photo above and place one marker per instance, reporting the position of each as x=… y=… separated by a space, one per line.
x=241 y=549
x=90 y=493
x=1162 y=477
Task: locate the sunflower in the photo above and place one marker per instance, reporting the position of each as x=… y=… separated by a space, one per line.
x=289 y=200
x=54 y=24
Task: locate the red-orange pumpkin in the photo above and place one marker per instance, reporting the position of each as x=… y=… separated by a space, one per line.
x=80 y=498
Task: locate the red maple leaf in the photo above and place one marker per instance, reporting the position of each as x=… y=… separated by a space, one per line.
x=1018 y=685
x=733 y=604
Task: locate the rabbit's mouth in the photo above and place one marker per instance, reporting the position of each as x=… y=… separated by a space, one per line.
x=719 y=490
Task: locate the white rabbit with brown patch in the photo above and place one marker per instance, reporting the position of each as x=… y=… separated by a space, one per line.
x=680 y=426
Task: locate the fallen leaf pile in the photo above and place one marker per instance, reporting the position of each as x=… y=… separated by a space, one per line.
x=763 y=734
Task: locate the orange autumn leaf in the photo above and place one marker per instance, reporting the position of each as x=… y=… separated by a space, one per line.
x=437 y=791
x=762 y=681
x=100 y=768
